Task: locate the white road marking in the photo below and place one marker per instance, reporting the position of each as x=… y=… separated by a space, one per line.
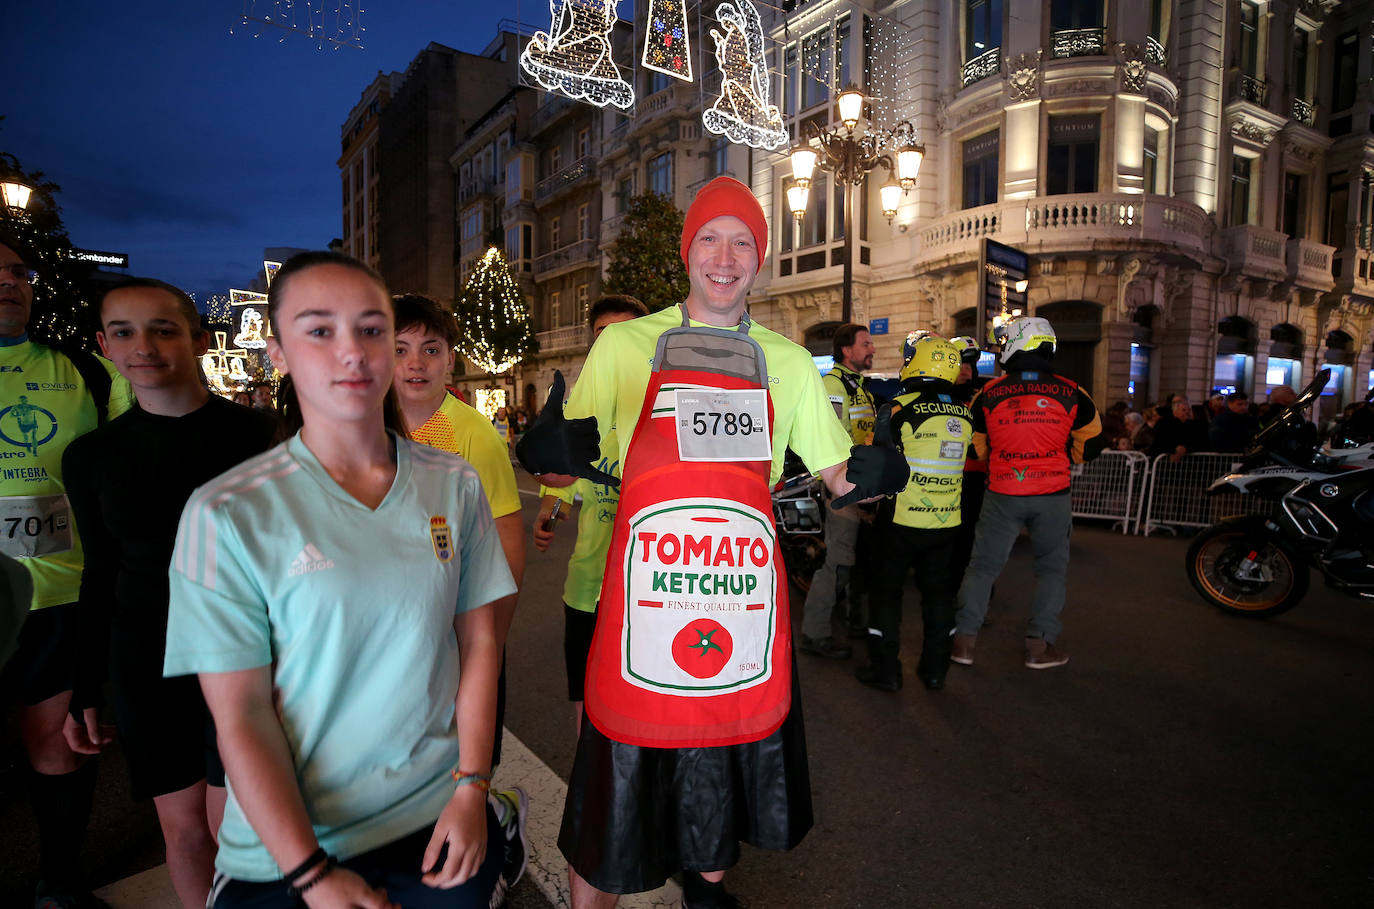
x=152 y=889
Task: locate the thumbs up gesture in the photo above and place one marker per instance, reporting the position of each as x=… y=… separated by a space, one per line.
x=553 y=444
x=875 y=470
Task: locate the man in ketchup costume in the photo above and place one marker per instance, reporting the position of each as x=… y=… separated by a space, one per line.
x=693 y=739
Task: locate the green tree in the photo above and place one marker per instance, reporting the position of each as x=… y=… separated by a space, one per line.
x=62 y=312
x=493 y=317
x=646 y=261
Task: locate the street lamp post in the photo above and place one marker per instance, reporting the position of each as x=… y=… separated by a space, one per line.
x=850 y=157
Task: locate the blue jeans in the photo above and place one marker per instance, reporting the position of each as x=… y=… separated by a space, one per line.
x=1049 y=520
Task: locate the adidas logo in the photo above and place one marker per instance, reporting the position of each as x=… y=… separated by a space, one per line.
x=307 y=560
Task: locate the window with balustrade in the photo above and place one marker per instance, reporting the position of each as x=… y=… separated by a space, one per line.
x=555 y=160
x=584 y=142
x=980 y=171
x=582 y=296
x=583 y=222
x=1077 y=29
x=1303 y=77
x=625 y=191
x=520 y=246
x=1157 y=41
x=1153 y=181
x=1071 y=154
x=555 y=309
x=982 y=40
x=555 y=233
x=658 y=174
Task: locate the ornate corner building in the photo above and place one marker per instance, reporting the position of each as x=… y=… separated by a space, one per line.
x=1191 y=180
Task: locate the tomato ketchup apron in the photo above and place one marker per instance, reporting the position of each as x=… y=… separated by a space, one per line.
x=692 y=646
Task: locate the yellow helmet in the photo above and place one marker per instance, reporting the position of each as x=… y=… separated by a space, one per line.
x=932 y=358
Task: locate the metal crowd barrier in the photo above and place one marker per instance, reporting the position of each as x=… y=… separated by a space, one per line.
x=1175 y=493
x=1109 y=487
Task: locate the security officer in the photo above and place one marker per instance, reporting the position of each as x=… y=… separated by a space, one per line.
x=933 y=430
x=853 y=404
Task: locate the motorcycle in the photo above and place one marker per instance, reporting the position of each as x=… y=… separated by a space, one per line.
x=798 y=512
x=1259 y=566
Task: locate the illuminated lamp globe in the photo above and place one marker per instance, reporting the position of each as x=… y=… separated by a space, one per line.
x=796 y=199
x=851 y=102
x=804 y=159
x=909 y=158
x=16 y=195
x=891 y=194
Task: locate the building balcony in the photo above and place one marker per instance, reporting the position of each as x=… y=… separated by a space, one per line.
x=1065 y=224
x=1254 y=252
x=474 y=189
x=1309 y=265
x=1249 y=88
x=1156 y=54
x=553 y=108
x=566 y=338
x=988 y=63
x=566 y=258
x=575 y=174
x=1304 y=111
x=1078 y=42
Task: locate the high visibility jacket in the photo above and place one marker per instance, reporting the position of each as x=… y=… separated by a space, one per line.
x=933 y=430
x=852 y=401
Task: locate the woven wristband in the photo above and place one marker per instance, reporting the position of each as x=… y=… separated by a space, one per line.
x=330 y=863
x=480 y=780
x=311 y=861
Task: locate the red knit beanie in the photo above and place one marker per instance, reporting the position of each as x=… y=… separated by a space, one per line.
x=726 y=196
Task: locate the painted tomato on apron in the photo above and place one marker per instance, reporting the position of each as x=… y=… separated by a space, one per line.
x=692 y=644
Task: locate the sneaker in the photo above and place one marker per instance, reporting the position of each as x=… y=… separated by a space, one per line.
x=1041 y=654
x=825 y=647
x=961 y=649
x=699 y=893
x=514 y=806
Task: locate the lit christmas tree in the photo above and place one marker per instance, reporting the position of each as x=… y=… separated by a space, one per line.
x=493 y=317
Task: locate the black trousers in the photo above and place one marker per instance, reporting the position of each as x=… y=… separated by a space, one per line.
x=898 y=550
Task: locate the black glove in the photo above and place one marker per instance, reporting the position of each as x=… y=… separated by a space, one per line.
x=879 y=469
x=555 y=445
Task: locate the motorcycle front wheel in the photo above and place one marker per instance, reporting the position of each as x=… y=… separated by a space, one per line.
x=1245 y=573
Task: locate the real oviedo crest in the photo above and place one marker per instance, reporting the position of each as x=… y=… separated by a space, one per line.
x=700 y=609
x=442 y=539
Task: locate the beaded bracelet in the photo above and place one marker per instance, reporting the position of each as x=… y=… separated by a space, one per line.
x=311 y=861
x=330 y=863
x=463 y=778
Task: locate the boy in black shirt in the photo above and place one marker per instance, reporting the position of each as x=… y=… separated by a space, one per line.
x=127 y=482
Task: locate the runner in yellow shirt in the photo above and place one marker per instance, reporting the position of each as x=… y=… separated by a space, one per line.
x=599 y=501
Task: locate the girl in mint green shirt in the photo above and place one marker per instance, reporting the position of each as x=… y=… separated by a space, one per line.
x=334 y=597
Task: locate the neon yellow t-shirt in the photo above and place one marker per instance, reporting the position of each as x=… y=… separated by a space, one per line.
x=587 y=565
x=616 y=375
x=44 y=405
x=459 y=429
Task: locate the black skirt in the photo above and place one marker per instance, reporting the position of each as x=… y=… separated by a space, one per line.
x=636 y=815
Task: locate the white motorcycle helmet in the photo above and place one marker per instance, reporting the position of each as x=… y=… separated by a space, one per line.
x=1026 y=333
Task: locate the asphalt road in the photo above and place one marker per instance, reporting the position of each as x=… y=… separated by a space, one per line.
x=1184 y=758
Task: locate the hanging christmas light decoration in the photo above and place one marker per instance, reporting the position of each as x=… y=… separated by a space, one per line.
x=269 y=269
x=223 y=362
x=574 y=56
x=742 y=113
x=250 y=329
x=340 y=26
x=667 y=47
